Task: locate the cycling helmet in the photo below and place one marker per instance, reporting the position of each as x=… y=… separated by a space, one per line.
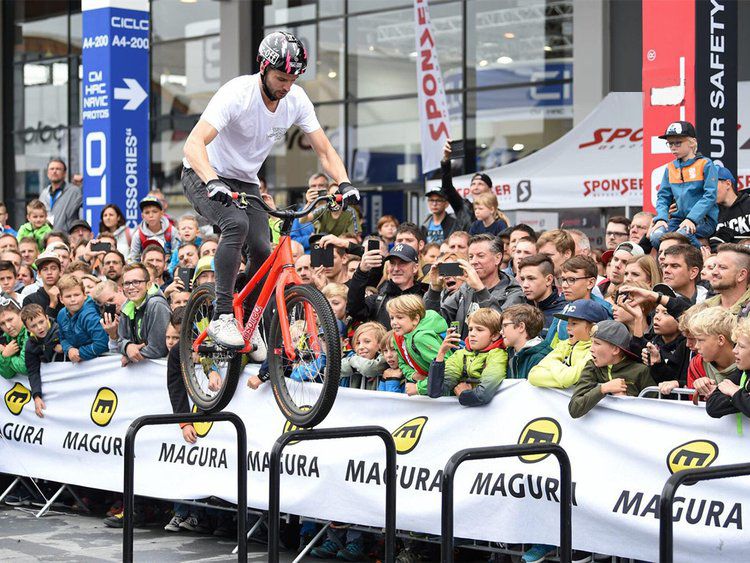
x=282 y=51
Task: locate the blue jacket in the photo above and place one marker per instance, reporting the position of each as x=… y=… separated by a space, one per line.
x=301 y=232
x=83 y=330
x=692 y=185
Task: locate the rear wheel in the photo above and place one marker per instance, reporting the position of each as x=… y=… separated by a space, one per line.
x=305 y=377
x=210 y=374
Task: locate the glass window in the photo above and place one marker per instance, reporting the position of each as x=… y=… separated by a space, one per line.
x=372 y=5
x=518 y=41
x=513 y=122
x=41 y=29
x=45 y=95
x=33 y=149
x=175 y=19
x=76 y=33
x=277 y=12
x=185 y=75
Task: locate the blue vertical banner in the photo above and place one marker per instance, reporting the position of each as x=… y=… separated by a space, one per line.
x=115 y=106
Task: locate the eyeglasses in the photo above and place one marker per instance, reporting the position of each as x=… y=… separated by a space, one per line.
x=674 y=143
x=616 y=234
x=571 y=281
x=133 y=283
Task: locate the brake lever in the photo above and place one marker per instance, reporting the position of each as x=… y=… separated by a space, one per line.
x=240 y=200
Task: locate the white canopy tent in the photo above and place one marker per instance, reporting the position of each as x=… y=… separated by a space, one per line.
x=599 y=163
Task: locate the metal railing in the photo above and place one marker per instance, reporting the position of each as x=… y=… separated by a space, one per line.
x=492 y=452
x=666 y=501
x=274 y=469
x=682 y=393
x=160 y=420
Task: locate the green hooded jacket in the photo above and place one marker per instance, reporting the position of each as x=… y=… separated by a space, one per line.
x=421 y=346
x=13 y=365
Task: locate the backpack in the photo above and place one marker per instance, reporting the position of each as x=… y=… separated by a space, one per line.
x=167 y=239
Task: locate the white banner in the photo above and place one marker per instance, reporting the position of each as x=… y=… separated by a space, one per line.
x=433 y=109
x=622 y=453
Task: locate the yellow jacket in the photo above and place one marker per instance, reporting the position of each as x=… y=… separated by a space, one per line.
x=562 y=367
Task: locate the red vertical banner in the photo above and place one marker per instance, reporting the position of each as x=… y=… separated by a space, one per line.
x=668 y=82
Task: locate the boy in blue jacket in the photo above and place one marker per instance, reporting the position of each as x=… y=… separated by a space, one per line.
x=81 y=334
x=690 y=181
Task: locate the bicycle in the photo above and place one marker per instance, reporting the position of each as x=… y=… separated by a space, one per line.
x=304 y=347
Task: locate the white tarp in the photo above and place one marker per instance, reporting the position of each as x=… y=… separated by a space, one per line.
x=599 y=163
x=621 y=454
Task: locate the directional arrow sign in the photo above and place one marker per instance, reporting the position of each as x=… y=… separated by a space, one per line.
x=134 y=94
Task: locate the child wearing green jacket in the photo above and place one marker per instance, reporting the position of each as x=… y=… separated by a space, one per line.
x=475 y=372
x=417 y=336
x=37 y=225
x=13 y=351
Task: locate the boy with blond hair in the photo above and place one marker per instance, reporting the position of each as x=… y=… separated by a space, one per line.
x=731 y=395
x=712 y=329
x=37 y=226
x=417 y=336
x=81 y=334
x=362 y=368
x=474 y=373
x=391 y=379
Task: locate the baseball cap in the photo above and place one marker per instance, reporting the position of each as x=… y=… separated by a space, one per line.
x=607 y=256
x=616 y=334
x=585 y=310
x=435 y=190
x=484 y=177
x=630 y=247
x=665 y=289
x=150 y=200
x=679 y=129
x=725 y=174
x=78 y=223
x=47 y=256
x=403 y=252
x=678 y=305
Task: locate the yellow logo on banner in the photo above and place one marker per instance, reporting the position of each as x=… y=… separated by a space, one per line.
x=291 y=427
x=201 y=428
x=408 y=434
x=539 y=431
x=104 y=406
x=16 y=398
x=692 y=455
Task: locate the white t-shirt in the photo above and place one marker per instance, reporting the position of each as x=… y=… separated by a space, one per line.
x=247 y=129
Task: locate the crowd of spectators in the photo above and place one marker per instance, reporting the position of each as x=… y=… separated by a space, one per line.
x=449 y=307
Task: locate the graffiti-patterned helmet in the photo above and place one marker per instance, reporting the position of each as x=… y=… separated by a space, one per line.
x=284 y=52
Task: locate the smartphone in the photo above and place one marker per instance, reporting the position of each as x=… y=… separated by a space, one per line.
x=101 y=247
x=455 y=326
x=450 y=270
x=320 y=256
x=322 y=193
x=458 y=149
x=110 y=309
x=186 y=275
x=373 y=244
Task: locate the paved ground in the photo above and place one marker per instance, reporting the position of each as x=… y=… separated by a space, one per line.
x=72 y=537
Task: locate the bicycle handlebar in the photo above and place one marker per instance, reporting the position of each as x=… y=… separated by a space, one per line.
x=242 y=200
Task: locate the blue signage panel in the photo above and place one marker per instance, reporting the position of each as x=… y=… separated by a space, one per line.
x=115 y=107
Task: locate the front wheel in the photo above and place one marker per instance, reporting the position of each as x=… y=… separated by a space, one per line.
x=305 y=376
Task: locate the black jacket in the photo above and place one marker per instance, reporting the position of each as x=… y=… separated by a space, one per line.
x=463 y=208
x=373 y=308
x=675 y=357
x=40 y=297
x=40 y=352
x=718 y=404
x=175 y=385
x=737 y=216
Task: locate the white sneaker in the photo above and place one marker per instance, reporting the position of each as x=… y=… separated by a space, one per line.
x=260 y=352
x=174 y=524
x=225 y=333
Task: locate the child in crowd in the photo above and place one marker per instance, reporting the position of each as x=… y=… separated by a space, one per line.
x=731 y=395
x=689 y=182
x=666 y=354
x=418 y=335
x=387 y=226
x=562 y=367
x=391 y=379
x=712 y=329
x=29 y=250
x=613 y=369
x=43 y=346
x=8 y=281
x=155 y=226
x=37 y=226
x=81 y=334
x=362 y=368
x=475 y=372
x=13 y=348
x=487 y=216
x=189 y=231
x=336 y=293
x=522 y=325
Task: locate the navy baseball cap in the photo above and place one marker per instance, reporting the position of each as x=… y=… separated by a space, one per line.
x=725 y=174
x=585 y=310
x=403 y=252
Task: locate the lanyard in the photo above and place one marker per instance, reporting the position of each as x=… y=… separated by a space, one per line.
x=743 y=380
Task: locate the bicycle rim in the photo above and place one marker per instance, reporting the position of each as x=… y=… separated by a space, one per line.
x=210 y=361
x=305 y=378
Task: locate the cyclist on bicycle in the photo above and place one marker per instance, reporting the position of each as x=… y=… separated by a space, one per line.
x=226 y=149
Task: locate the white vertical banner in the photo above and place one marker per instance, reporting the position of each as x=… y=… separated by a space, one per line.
x=433 y=109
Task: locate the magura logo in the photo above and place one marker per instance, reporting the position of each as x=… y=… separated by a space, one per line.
x=104 y=406
x=16 y=398
x=697 y=454
x=201 y=428
x=539 y=431
x=406 y=436
x=291 y=427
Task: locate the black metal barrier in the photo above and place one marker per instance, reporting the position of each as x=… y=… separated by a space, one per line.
x=666 y=501
x=492 y=452
x=160 y=420
x=274 y=508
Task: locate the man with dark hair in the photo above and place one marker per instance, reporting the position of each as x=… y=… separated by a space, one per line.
x=54 y=236
x=734 y=208
x=63 y=201
x=411 y=234
x=681 y=267
x=486 y=285
x=522 y=230
x=537 y=277
x=112 y=266
x=669 y=240
x=47 y=295
x=153 y=255
x=730 y=279
x=618 y=230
